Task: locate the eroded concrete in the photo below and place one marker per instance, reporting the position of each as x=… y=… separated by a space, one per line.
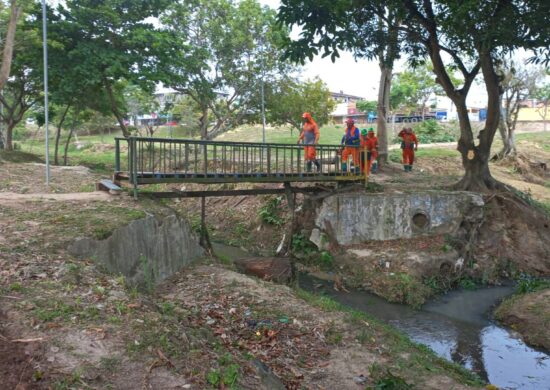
x=147 y=251
x=355 y=218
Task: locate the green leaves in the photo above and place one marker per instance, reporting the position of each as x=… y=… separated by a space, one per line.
x=288 y=99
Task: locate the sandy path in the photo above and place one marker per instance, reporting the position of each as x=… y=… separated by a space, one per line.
x=8 y=197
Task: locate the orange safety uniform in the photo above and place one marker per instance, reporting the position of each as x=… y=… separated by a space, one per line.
x=370 y=143
x=351 y=138
x=409 y=143
x=310 y=137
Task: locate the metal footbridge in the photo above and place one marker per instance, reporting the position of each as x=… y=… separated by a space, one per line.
x=143 y=161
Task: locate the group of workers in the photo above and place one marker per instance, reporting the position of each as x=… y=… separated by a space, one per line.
x=359 y=147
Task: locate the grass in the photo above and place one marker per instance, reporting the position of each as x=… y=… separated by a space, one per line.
x=17 y=156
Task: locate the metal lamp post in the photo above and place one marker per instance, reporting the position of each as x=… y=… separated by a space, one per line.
x=45 y=49
x=262 y=84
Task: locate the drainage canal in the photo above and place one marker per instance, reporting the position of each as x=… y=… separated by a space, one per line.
x=456 y=327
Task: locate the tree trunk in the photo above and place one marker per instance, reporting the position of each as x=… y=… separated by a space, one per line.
x=544 y=121
x=475 y=159
x=9 y=135
x=382 y=110
x=66 y=151
x=203 y=122
x=507 y=135
x=114 y=110
x=58 y=135
x=477 y=176
x=7 y=55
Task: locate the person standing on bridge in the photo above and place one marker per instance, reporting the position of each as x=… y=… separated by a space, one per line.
x=369 y=141
x=351 y=141
x=409 y=144
x=310 y=137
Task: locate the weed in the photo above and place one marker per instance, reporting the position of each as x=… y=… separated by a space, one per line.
x=226 y=260
x=385 y=380
x=148 y=274
x=269 y=213
x=101 y=232
x=301 y=244
x=327 y=261
x=51 y=310
x=332 y=335
x=167 y=308
x=16 y=287
x=527 y=283
x=363 y=336
x=467 y=283
x=109 y=363
x=225 y=376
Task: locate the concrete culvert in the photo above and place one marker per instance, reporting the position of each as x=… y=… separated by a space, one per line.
x=420 y=220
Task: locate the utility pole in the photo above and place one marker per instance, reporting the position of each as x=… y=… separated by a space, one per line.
x=45 y=48
x=262 y=85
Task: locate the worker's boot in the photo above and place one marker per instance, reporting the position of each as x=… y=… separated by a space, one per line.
x=317 y=165
x=410 y=168
x=374 y=167
x=308 y=166
x=406 y=168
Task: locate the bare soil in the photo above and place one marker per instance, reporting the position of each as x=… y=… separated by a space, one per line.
x=203 y=327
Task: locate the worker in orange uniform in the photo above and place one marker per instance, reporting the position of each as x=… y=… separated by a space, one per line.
x=310 y=137
x=351 y=141
x=369 y=142
x=409 y=143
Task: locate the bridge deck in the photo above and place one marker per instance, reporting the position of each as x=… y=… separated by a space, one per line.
x=165 y=160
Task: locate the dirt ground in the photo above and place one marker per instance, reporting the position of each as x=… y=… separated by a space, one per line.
x=529 y=315
x=64 y=323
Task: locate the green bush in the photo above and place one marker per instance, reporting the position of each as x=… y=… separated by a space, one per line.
x=431 y=131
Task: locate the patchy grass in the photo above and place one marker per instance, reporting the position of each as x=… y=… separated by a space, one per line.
x=17 y=156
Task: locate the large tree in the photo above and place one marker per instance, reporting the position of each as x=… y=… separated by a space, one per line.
x=229 y=49
x=105 y=42
x=517 y=83
x=470 y=33
x=290 y=98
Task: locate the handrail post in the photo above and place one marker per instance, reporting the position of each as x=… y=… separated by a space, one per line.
x=205 y=151
x=133 y=149
x=117 y=155
x=365 y=170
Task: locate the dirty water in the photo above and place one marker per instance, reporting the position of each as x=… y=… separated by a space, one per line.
x=456 y=326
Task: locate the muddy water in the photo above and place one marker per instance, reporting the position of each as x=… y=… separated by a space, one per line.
x=455 y=326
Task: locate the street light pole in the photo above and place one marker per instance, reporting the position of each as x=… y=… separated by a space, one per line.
x=45 y=49
x=262 y=87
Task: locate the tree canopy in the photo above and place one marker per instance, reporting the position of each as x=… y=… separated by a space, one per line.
x=290 y=98
x=228 y=49
x=471 y=34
